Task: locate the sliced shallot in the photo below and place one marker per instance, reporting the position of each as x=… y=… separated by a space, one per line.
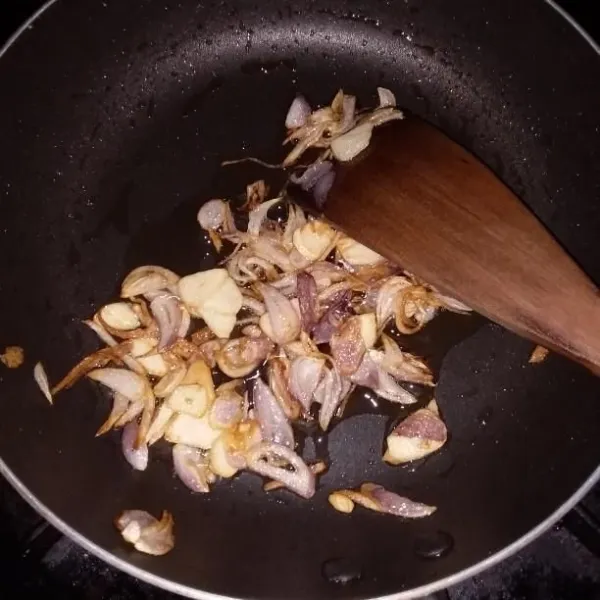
x=283 y=318
x=240 y=356
x=305 y=374
x=39 y=374
x=119 y=408
x=417 y=436
x=274 y=424
x=137 y=457
x=300 y=479
x=191 y=466
x=144 y=280
x=172 y=318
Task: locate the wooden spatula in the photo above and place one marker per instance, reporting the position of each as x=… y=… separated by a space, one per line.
x=427 y=204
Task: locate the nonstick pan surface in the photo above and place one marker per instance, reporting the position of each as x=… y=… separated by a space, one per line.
x=115 y=117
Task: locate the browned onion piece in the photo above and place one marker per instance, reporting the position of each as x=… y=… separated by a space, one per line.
x=209 y=351
x=338 y=311
x=305 y=374
x=300 y=480
x=403 y=365
x=420 y=434
x=93 y=361
x=371 y=375
x=278 y=382
x=137 y=457
x=393 y=504
x=240 y=356
x=347 y=346
x=119 y=407
x=147 y=534
x=150 y=278
x=133 y=411
x=191 y=466
x=307 y=299
x=274 y=424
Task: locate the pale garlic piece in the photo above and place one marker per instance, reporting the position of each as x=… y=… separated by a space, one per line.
x=314 y=240
x=191 y=431
x=119 y=316
x=341 y=502
x=213 y=296
x=355 y=254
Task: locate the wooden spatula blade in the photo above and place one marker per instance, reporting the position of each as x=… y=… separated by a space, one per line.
x=424 y=202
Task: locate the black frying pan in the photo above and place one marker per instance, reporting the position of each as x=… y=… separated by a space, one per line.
x=114 y=118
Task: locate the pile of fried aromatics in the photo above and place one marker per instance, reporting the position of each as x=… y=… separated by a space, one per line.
x=222 y=363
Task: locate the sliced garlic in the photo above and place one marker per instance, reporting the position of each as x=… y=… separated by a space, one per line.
x=356 y=254
x=314 y=240
x=402 y=449
x=351 y=144
x=170 y=381
x=154 y=364
x=368 y=329
x=120 y=316
x=213 y=296
x=341 y=502
x=199 y=373
x=191 y=431
x=218 y=459
x=189 y=399
x=142 y=346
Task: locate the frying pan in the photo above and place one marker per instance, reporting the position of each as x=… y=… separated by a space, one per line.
x=115 y=117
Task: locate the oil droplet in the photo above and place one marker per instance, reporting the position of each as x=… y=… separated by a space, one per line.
x=342 y=571
x=434 y=545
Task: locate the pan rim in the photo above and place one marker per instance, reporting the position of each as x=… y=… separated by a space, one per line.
x=196 y=594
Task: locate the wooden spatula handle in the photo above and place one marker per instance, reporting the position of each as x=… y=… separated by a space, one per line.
x=426 y=203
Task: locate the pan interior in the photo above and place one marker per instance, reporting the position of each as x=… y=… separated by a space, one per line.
x=112 y=138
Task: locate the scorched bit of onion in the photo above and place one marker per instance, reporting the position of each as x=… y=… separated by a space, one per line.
x=136 y=457
x=274 y=424
x=191 y=466
x=417 y=436
x=300 y=479
x=307 y=300
x=145 y=533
